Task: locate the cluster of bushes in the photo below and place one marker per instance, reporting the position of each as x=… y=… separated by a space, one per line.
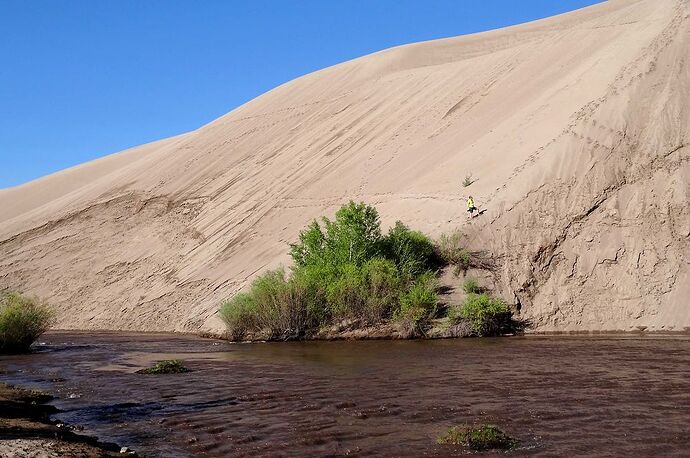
x=22 y=321
x=344 y=269
x=486 y=316
x=347 y=270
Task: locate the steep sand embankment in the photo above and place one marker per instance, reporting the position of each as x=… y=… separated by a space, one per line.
x=575 y=128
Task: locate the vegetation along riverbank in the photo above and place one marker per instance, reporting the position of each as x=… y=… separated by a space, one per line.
x=350 y=280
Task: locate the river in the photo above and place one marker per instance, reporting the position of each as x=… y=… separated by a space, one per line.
x=615 y=395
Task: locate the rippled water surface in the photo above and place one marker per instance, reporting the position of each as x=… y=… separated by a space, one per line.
x=562 y=396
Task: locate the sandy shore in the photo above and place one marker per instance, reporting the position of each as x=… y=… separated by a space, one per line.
x=26 y=430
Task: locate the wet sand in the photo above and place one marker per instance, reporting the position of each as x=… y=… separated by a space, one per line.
x=26 y=430
x=564 y=396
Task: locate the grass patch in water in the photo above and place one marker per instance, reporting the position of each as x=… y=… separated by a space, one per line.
x=478 y=437
x=172 y=366
x=11 y=393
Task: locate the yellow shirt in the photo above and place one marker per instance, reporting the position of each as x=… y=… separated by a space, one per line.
x=470 y=203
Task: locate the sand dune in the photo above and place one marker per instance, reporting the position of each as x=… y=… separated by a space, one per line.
x=576 y=129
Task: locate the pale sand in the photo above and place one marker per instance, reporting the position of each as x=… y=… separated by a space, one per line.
x=575 y=127
x=28 y=448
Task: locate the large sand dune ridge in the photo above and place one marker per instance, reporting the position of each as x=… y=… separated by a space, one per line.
x=575 y=127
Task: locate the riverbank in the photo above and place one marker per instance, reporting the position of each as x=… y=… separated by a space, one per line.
x=27 y=431
x=439 y=328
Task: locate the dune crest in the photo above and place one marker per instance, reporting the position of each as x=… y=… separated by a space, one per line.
x=576 y=129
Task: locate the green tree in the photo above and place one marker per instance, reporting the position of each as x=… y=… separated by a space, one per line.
x=412 y=251
x=353 y=237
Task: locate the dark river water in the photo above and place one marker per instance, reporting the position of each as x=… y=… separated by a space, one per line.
x=561 y=396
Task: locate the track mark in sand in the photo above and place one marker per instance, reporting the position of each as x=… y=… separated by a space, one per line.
x=626 y=77
x=287 y=109
x=455 y=107
x=127 y=240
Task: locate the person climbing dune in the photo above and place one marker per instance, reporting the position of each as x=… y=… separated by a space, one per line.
x=471 y=207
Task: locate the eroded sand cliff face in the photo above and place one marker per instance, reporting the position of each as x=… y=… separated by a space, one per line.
x=575 y=128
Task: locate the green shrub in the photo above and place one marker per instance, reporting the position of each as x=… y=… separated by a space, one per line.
x=451 y=250
x=169 y=366
x=284 y=307
x=417 y=306
x=382 y=286
x=313 y=281
x=239 y=314
x=470 y=286
x=412 y=251
x=486 y=315
x=369 y=292
x=345 y=294
x=479 y=438
x=311 y=248
x=293 y=318
x=22 y=321
x=265 y=293
x=352 y=238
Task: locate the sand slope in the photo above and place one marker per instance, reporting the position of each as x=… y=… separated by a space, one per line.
x=575 y=128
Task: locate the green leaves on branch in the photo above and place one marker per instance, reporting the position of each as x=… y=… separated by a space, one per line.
x=413 y=252
x=353 y=238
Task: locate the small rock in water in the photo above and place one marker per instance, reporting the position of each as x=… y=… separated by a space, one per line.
x=345 y=405
x=124 y=450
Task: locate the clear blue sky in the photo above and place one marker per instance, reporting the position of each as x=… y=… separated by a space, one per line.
x=82 y=79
